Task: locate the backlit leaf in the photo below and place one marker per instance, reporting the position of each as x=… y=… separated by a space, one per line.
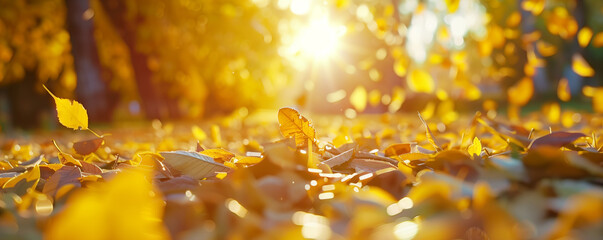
x=70 y=113
x=294 y=125
x=581 y=67
x=556 y=139
x=397 y=149
x=475 y=149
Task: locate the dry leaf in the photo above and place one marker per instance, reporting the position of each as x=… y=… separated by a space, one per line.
x=65 y=175
x=556 y=139
x=397 y=149
x=339 y=159
x=88 y=146
x=193 y=164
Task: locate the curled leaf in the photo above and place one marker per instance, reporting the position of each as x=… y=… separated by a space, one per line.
x=193 y=164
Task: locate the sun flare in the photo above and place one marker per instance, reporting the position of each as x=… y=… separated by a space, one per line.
x=319 y=40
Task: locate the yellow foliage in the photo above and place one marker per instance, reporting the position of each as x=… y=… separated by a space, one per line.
x=421 y=81
x=70 y=113
x=126 y=207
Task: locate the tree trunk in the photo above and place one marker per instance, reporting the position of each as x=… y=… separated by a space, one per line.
x=154 y=103
x=91 y=90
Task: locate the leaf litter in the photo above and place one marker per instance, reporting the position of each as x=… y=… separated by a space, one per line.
x=390 y=177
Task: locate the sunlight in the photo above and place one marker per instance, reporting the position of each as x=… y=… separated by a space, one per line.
x=319 y=40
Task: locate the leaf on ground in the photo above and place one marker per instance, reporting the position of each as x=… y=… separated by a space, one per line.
x=369 y=165
x=475 y=149
x=218 y=154
x=19 y=184
x=339 y=159
x=66 y=158
x=429 y=134
x=193 y=164
x=293 y=125
x=65 y=175
x=71 y=113
x=125 y=207
x=32 y=162
x=91 y=168
x=556 y=139
x=397 y=149
x=88 y=146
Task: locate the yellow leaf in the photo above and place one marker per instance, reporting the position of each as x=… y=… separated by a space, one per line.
x=420 y=81
x=70 y=112
x=67 y=158
x=358 y=98
x=584 y=36
x=581 y=67
x=475 y=149
x=521 y=93
x=32 y=175
x=125 y=207
x=563 y=90
x=293 y=124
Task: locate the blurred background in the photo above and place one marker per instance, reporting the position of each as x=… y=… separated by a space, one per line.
x=193 y=59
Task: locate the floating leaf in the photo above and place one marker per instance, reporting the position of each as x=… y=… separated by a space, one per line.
x=294 y=125
x=581 y=67
x=88 y=146
x=420 y=81
x=193 y=164
x=70 y=113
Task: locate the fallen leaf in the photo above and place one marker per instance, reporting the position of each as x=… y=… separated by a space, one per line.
x=65 y=175
x=88 y=146
x=218 y=154
x=70 y=112
x=475 y=149
x=193 y=164
x=339 y=159
x=27 y=180
x=294 y=125
x=555 y=139
x=397 y=149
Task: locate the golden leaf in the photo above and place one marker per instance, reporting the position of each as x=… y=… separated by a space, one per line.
x=32 y=175
x=584 y=36
x=293 y=124
x=475 y=149
x=563 y=90
x=358 y=98
x=581 y=67
x=193 y=164
x=420 y=81
x=70 y=112
x=125 y=207
x=521 y=93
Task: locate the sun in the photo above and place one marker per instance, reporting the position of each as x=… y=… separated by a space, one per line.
x=319 y=40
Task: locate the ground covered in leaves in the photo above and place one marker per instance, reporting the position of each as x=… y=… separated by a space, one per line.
x=281 y=175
